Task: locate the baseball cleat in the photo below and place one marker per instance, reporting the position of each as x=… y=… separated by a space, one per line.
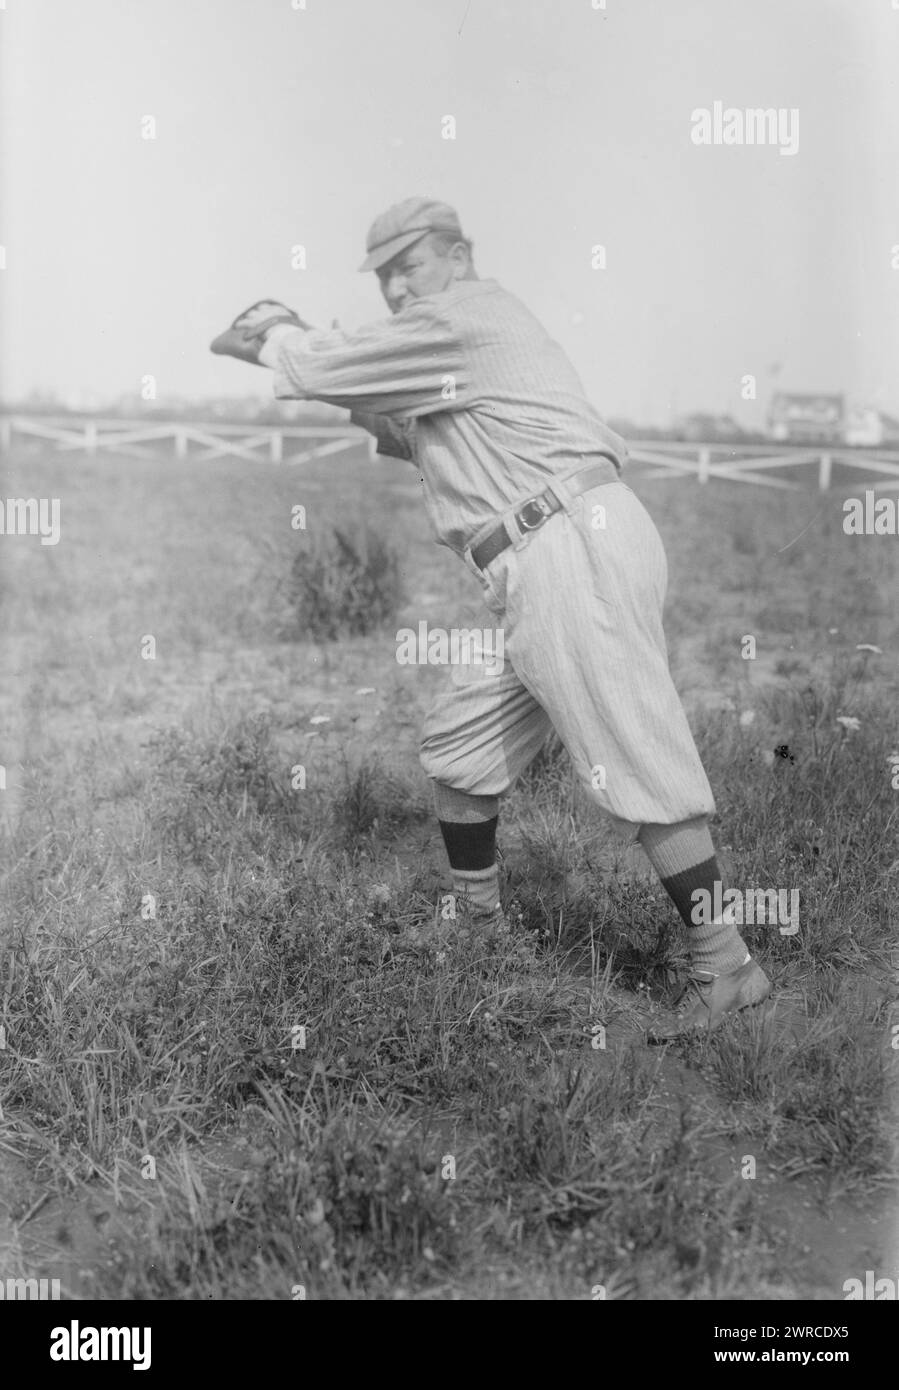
x=492 y=928
x=246 y=336
x=484 y=926
x=707 y=999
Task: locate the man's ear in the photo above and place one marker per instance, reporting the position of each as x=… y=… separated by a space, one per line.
x=460 y=259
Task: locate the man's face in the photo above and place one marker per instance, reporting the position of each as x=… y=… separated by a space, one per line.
x=420 y=269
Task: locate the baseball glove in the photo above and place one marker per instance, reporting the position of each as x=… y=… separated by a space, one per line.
x=245 y=337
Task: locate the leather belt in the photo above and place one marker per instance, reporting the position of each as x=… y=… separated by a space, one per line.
x=532 y=514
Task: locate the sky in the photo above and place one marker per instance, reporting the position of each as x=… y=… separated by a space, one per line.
x=278 y=126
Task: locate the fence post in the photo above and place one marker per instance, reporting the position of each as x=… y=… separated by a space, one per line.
x=703 y=470
x=277 y=446
x=824 y=473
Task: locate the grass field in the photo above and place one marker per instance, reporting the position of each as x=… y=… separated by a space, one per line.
x=179 y=910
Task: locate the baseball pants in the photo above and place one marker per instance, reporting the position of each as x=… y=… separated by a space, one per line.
x=579 y=603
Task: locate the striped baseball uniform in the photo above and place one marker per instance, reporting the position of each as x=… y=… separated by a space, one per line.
x=470 y=387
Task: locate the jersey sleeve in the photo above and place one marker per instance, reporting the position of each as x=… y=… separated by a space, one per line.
x=409 y=365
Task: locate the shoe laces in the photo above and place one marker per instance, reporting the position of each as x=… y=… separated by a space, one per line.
x=693 y=989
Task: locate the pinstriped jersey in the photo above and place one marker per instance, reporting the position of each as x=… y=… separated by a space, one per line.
x=465 y=383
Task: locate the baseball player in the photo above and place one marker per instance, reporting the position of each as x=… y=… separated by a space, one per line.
x=523 y=481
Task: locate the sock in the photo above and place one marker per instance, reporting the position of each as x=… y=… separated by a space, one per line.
x=479 y=888
x=468 y=826
x=684 y=858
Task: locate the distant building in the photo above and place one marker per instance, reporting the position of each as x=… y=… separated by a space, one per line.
x=865 y=425
x=804 y=418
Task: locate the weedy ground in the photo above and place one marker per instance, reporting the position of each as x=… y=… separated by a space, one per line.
x=247 y=1052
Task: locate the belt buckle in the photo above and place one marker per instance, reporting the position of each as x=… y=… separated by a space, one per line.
x=543 y=512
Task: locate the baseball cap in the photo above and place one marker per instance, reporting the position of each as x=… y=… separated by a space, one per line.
x=404 y=224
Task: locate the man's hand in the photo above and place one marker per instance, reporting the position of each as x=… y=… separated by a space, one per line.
x=246 y=336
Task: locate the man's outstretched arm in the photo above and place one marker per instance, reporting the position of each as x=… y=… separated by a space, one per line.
x=406 y=366
x=257 y=335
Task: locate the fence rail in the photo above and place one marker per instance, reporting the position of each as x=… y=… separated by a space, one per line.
x=673 y=459
x=753 y=463
x=192 y=442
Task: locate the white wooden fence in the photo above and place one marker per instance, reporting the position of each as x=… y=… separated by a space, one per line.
x=194 y=442
x=739 y=463
x=755 y=463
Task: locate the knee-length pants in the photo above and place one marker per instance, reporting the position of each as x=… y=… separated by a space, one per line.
x=579 y=603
